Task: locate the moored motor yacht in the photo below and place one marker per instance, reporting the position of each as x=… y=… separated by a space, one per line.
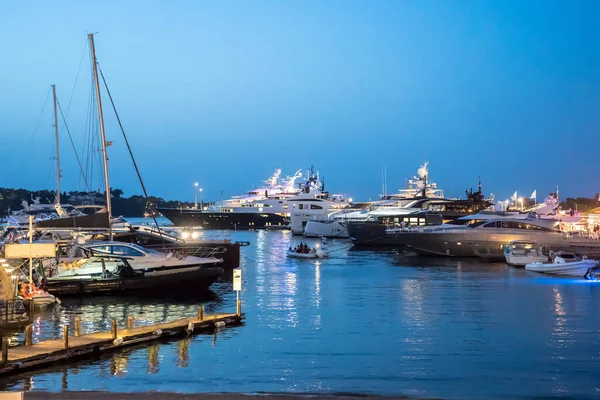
x=266 y=207
x=519 y=253
x=120 y=267
x=307 y=207
x=486 y=238
x=334 y=223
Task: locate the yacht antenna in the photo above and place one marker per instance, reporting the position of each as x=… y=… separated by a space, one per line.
x=385 y=188
x=102 y=134
x=58 y=175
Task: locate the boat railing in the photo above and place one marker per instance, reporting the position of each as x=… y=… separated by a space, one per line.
x=202 y=252
x=430 y=229
x=13 y=311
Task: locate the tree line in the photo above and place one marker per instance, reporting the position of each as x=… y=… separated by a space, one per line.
x=133 y=206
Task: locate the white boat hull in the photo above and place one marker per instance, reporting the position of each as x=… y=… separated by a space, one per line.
x=328 y=228
x=576 y=269
x=523 y=260
x=311 y=255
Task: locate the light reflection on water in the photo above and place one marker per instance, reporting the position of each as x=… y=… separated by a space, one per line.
x=367 y=322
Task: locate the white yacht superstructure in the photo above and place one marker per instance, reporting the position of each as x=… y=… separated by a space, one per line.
x=334 y=222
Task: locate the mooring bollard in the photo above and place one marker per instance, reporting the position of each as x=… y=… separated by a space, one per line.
x=201 y=313
x=77 y=327
x=65 y=337
x=29 y=335
x=113 y=329
x=5 y=343
x=129 y=322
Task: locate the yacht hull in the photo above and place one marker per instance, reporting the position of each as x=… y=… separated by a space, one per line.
x=97 y=220
x=369 y=233
x=326 y=228
x=220 y=220
x=479 y=243
x=191 y=279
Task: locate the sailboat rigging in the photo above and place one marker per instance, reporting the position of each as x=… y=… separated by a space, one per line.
x=102 y=135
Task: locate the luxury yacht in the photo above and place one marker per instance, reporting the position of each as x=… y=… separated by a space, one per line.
x=421 y=203
x=309 y=207
x=122 y=267
x=486 y=238
x=334 y=223
x=265 y=207
x=58 y=215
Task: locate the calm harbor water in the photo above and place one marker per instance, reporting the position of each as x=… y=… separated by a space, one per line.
x=361 y=321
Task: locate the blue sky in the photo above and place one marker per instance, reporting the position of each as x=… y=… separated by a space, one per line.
x=223 y=92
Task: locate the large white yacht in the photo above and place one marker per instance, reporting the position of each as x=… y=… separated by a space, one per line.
x=307 y=207
x=333 y=222
x=265 y=207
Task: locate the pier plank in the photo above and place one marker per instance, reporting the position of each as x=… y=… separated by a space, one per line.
x=40 y=354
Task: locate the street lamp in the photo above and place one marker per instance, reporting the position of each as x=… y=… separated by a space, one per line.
x=196 y=194
x=201 y=200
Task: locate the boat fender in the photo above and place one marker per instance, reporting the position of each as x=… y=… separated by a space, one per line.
x=118 y=341
x=190 y=328
x=157 y=332
x=219 y=324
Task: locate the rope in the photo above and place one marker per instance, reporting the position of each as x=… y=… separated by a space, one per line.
x=73 y=145
x=128 y=147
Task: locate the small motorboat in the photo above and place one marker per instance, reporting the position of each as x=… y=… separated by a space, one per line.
x=519 y=253
x=565 y=264
x=306 y=252
x=41 y=299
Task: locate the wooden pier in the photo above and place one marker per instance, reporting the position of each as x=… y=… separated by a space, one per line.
x=30 y=356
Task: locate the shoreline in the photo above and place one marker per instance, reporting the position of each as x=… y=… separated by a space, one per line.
x=151 y=395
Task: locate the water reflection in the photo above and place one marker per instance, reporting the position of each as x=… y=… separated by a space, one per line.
x=153 y=366
x=364 y=322
x=118 y=364
x=183 y=356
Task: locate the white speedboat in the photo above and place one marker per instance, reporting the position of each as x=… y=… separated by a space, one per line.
x=565 y=264
x=519 y=253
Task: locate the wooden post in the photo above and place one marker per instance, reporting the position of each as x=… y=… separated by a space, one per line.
x=65 y=337
x=239 y=308
x=113 y=329
x=28 y=335
x=5 y=342
x=201 y=313
x=31 y=308
x=129 y=322
x=77 y=327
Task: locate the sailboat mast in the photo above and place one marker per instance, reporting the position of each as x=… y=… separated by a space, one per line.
x=102 y=135
x=58 y=172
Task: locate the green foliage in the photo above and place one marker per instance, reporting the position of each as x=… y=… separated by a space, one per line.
x=134 y=206
x=581 y=204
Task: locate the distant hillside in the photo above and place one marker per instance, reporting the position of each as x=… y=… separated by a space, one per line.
x=134 y=206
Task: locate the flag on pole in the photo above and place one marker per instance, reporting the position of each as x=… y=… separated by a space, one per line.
x=533 y=195
x=514 y=196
